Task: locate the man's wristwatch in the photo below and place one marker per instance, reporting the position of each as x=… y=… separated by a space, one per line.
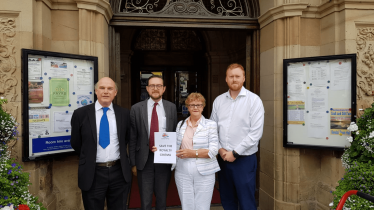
x=236 y=155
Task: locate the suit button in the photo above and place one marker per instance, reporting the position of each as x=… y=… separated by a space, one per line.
x=147 y=144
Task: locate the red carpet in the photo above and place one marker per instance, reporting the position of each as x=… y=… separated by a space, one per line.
x=172 y=199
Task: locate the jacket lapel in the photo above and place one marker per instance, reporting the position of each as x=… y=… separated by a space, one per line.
x=167 y=114
x=92 y=118
x=144 y=112
x=201 y=124
x=118 y=120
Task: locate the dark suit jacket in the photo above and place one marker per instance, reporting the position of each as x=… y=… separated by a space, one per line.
x=84 y=142
x=139 y=140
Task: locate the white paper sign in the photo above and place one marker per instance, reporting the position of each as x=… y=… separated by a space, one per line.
x=62 y=121
x=166 y=147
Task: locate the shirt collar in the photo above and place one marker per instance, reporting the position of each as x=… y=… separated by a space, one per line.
x=151 y=102
x=197 y=123
x=243 y=92
x=98 y=106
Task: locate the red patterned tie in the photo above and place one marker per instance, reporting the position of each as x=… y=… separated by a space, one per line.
x=154 y=127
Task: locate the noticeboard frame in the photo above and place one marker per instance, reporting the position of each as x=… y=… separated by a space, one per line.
x=25 y=103
x=286 y=62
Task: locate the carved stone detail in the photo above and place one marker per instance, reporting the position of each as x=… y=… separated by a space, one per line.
x=8 y=82
x=365 y=67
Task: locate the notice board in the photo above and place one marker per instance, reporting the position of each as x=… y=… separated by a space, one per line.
x=54 y=85
x=319 y=101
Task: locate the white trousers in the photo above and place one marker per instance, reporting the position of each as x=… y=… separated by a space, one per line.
x=195 y=190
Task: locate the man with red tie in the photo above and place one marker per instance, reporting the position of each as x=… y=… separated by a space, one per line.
x=147 y=117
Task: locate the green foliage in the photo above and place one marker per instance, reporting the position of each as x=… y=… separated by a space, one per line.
x=358 y=177
x=13 y=181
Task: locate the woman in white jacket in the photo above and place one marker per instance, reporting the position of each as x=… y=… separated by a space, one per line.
x=197 y=140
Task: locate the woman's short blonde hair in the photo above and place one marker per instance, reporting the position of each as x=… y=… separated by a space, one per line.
x=195 y=97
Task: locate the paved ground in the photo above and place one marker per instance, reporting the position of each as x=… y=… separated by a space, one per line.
x=213 y=207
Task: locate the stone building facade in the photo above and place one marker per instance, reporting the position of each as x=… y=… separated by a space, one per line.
x=289 y=179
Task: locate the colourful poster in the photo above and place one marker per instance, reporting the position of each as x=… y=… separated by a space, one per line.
x=59 y=92
x=340 y=120
x=295 y=112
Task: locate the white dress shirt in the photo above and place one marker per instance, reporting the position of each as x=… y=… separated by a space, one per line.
x=160 y=115
x=111 y=152
x=240 y=121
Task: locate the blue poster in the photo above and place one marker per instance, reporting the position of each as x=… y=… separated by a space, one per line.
x=51 y=144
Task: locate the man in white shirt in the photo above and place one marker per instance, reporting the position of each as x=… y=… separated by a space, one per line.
x=147 y=117
x=100 y=133
x=239 y=114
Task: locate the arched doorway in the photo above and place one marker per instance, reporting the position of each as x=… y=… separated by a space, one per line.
x=224 y=38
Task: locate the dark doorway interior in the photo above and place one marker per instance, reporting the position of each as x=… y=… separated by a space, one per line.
x=176 y=55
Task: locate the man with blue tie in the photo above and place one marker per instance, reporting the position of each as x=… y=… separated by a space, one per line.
x=100 y=133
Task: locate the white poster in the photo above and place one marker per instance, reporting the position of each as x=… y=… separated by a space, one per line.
x=166 y=147
x=39 y=123
x=83 y=78
x=296 y=91
x=62 y=121
x=57 y=67
x=317 y=124
x=296 y=73
x=35 y=68
x=341 y=75
x=319 y=73
x=317 y=99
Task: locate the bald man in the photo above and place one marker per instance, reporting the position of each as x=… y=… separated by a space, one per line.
x=100 y=134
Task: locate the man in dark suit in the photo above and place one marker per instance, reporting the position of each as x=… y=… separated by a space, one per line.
x=147 y=117
x=100 y=133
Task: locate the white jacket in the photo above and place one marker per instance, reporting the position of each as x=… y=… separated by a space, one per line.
x=205 y=137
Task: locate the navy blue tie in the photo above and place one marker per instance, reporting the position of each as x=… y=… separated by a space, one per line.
x=104 y=138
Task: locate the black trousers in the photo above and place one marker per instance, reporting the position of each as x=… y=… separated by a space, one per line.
x=154 y=178
x=108 y=184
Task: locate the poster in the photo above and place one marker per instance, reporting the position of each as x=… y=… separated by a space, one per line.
x=296 y=91
x=317 y=99
x=39 y=123
x=61 y=121
x=340 y=119
x=317 y=125
x=319 y=73
x=59 y=92
x=83 y=100
x=58 y=68
x=34 y=68
x=295 y=111
x=82 y=79
x=340 y=75
x=35 y=92
x=296 y=73
x=166 y=147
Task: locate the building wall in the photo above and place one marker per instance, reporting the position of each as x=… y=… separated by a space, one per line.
x=303 y=178
x=289 y=178
x=67 y=26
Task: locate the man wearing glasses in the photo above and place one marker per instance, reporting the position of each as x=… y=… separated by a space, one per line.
x=147 y=117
